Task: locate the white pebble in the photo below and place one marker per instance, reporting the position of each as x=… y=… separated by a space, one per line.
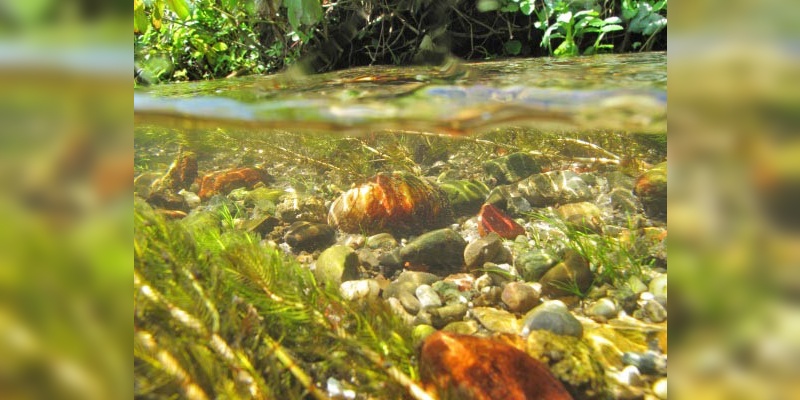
x=360 y=289
x=660 y=388
x=428 y=298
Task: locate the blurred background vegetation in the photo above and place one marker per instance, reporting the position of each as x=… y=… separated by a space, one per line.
x=202 y=39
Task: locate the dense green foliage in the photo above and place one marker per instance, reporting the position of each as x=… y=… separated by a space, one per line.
x=203 y=39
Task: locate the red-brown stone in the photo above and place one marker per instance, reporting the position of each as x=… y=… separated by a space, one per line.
x=223 y=182
x=468 y=367
x=492 y=219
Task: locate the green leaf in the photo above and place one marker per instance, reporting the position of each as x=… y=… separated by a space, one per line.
x=219 y=47
x=488 y=5
x=140 y=21
x=179 y=7
x=513 y=47
x=611 y=28
x=511 y=7
x=526 y=6
x=303 y=12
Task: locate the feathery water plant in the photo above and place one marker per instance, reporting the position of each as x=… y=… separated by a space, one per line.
x=217 y=314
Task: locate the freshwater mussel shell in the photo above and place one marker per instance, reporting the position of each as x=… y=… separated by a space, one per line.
x=397 y=202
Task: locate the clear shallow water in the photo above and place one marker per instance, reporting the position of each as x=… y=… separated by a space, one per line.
x=610 y=92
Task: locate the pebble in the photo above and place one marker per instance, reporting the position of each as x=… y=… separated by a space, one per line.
x=449 y=293
x=382 y=241
x=496 y=320
x=398 y=309
x=463 y=281
x=486 y=249
x=511 y=168
x=501 y=273
x=441 y=250
x=421 y=331
x=533 y=264
x=648 y=363
x=572 y=273
x=658 y=286
x=604 y=308
x=519 y=297
x=192 y=200
x=582 y=216
x=363 y=289
x=309 y=236
x=629 y=376
x=555 y=187
x=552 y=316
x=654 y=311
x=660 y=388
x=482 y=282
x=462 y=327
x=428 y=298
x=636 y=285
x=651 y=188
x=336 y=264
x=446 y=314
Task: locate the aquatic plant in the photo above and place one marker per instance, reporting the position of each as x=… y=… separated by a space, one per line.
x=216 y=314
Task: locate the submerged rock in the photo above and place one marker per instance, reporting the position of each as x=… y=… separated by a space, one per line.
x=303 y=208
x=533 y=264
x=398 y=202
x=556 y=187
x=572 y=361
x=467 y=367
x=519 y=297
x=486 y=249
x=466 y=196
x=582 y=216
x=552 y=316
x=337 y=264
x=222 y=182
x=309 y=236
x=512 y=168
x=651 y=188
x=567 y=276
x=441 y=251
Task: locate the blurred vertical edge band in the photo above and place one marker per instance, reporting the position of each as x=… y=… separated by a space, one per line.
x=734 y=148
x=65 y=200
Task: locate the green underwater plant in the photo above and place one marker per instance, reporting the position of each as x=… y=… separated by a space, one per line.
x=217 y=314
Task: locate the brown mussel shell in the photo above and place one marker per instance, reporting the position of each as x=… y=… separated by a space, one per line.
x=397 y=202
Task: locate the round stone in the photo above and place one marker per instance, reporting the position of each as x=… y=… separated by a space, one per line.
x=604 y=308
x=428 y=298
x=519 y=297
x=554 y=318
x=660 y=388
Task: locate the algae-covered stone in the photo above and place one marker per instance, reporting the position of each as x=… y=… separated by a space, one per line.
x=556 y=187
x=441 y=250
x=567 y=276
x=337 y=264
x=572 y=361
x=512 y=168
x=446 y=314
x=533 y=264
x=497 y=320
x=582 y=216
x=310 y=236
x=263 y=197
x=421 y=331
x=304 y=208
x=462 y=327
x=466 y=196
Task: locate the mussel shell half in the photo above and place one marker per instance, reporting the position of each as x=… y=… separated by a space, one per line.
x=399 y=203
